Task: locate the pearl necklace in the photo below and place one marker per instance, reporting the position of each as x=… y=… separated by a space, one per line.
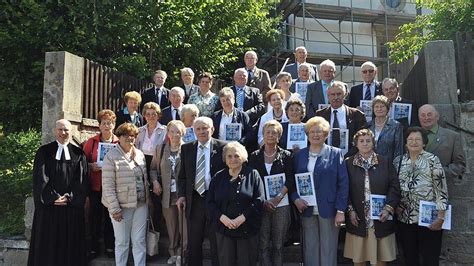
x=269 y=156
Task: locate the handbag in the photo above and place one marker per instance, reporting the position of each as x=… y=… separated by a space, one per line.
x=152 y=238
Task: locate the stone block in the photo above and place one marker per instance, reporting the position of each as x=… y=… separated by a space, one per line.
x=29 y=211
x=14 y=257
x=440 y=64
x=457 y=248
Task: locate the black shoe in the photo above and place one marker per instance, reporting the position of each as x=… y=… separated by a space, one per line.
x=110 y=253
x=93 y=255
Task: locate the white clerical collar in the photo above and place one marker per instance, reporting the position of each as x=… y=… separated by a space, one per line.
x=61 y=148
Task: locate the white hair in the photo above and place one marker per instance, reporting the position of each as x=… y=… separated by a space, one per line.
x=252 y=53
x=242 y=69
x=301 y=48
x=179 y=90
x=369 y=64
x=328 y=63
x=187 y=70
x=204 y=120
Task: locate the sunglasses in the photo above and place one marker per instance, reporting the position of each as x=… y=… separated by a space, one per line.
x=370 y=71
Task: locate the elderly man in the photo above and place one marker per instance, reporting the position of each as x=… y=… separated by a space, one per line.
x=341 y=116
x=391 y=90
x=257 y=77
x=172 y=112
x=60 y=187
x=368 y=89
x=304 y=76
x=300 y=57
x=158 y=93
x=247 y=99
x=200 y=160
x=317 y=91
x=442 y=142
x=187 y=77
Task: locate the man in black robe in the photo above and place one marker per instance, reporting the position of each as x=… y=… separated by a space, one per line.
x=60 y=187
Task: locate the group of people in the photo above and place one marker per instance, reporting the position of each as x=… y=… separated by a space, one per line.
x=206 y=167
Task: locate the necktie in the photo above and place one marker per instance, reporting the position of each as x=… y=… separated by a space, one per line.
x=199 y=183
x=240 y=99
x=157 y=96
x=249 y=72
x=176 y=114
x=367 y=95
x=336 y=137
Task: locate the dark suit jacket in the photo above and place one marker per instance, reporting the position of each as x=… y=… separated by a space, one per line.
x=330 y=180
x=293 y=70
x=122 y=118
x=448 y=147
x=283 y=163
x=187 y=173
x=355 y=121
x=238 y=117
x=150 y=96
x=357 y=91
x=166 y=116
x=261 y=81
x=253 y=103
x=314 y=97
x=195 y=88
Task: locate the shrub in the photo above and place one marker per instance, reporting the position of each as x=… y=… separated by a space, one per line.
x=17 y=152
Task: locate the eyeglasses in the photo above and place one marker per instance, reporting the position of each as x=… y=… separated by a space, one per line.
x=415 y=140
x=369 y=70
x=151 y=114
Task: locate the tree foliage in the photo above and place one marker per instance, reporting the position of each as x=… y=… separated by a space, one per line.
x=447 y=18
x=137 y=37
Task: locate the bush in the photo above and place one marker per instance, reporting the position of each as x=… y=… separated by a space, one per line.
x=17 y=152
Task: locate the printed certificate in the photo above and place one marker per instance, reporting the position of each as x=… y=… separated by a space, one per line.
x=377 y=202
x=296 y=136
x=401 y=110
x=301 y=88
x=102 y=150
x=428 y=214
x=189 y=136
x=305 y=188
x=273 y=186
x=366 y=106
x=233 y=131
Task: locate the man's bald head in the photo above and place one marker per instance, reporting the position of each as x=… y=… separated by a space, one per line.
x=428 y=116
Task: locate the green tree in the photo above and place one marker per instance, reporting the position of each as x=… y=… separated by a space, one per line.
x=137 y=37
x=447 y=18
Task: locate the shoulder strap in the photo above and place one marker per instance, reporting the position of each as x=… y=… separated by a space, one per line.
x=161 y=156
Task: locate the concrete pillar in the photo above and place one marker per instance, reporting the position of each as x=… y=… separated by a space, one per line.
x=440 y=63
x=62 y=91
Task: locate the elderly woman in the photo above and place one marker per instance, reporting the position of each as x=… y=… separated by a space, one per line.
x=370 y=239
x=284 y=83
x=296 y=111
x=98 y=215
x=149 y=136
x=275 y=98
x=304 y=75
x=235 y=200
x=125 y=194
x=388 y=132
x=421 y=177
x=164 y=173
x=329 y=174
x=205 y=100
x=229 y=114
x=129 y=113
x=271 y=160
x=188 y=114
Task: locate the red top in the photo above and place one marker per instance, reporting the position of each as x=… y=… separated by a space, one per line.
x=90 y=150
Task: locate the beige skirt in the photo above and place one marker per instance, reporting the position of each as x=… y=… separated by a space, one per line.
x=370 y=248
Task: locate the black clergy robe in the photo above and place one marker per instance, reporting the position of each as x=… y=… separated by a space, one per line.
x=58 y=233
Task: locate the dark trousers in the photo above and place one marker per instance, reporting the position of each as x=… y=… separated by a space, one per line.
x=155 y=201
x=199 y=226
x=237 y=252
x=421 y=246
x=99 y=219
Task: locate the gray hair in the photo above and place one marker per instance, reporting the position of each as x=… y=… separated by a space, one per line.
x=252 y=53
x=392 y=82
x=242 y=69
x=368 y=63
x=204 y=120
x=301 y=48
x=238 y=148
x=189 y=108
x=226 y=92
x=328 y=63
x=179 y=90
x=187 y=70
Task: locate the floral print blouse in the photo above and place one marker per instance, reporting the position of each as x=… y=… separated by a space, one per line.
x=366 y=165
x=423 y=180
x=205 y=103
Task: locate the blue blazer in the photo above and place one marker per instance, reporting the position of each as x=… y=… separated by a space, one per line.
x=331 y=181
